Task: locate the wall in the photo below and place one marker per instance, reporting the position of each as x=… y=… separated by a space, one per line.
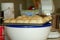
x=57 y=3
x=16 y=8
x=29 y=3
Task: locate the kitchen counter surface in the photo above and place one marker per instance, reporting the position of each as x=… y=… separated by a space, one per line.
x=54 y=39
x=48 y=39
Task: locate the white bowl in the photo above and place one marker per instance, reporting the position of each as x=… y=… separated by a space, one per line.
x=28 y=33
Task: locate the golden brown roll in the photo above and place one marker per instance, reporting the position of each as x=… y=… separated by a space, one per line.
x=19 y=17
x=7 y=20
x=29 y=19
x=40 y=20
x=48 y=18
x=35 y=17
x=19 y=21
x=26 y=21
x=33 y=21
x=13 y=20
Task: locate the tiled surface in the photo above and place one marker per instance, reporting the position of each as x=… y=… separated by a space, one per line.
x=54 y=39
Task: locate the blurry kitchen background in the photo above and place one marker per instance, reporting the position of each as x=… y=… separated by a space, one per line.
x=27 y=3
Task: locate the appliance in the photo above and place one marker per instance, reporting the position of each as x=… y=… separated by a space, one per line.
x=48 y=9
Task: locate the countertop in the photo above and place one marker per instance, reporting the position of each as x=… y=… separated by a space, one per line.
x=54 y=39
x=48 y=39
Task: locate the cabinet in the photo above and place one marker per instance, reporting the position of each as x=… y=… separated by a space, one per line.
x=56 y=21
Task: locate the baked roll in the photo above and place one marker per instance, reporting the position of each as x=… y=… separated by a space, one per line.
x=7 y=20
x=13 y=20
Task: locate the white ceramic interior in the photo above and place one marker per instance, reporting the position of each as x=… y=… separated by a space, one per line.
x=28 y=33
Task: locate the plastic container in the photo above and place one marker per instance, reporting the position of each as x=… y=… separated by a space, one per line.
x=28 y=32
x=29 y=12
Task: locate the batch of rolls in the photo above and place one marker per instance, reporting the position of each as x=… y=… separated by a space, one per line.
x=28 y=19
